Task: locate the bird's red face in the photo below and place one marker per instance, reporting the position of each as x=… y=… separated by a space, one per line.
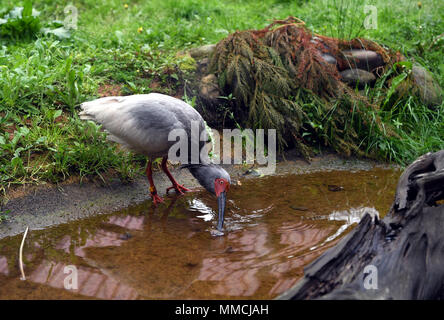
x=221 y=185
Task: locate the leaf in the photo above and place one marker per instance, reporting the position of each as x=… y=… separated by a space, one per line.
x=15 y=139
x=41 y=140
x=119 y=36
x=68 y=64
x=27 y=9
x=17 y=162
x=17 y=151
x=87 y=68
x=57 y=114
x=24 y=131
x=15 y=13
x=395 y=83
x=221 y=30
x=408 y=65
x=20 y=22
x=61 y=33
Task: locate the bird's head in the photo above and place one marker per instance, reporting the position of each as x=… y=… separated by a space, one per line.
x=221 y=186
x=215 y=180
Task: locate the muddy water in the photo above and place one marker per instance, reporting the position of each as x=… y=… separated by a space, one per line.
x=276 y=226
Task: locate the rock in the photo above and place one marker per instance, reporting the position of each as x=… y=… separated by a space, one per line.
x=252 y=172
x=430 y=91
x=202 y=65
x=209 y=87
x=334 y=188
x=326 y=56
x=316 y=40
x=126 y=236
x=203 y=51
x=229 y=250
x=329 y=58
x=299 y=208
x=362 y=59
x=357 y=77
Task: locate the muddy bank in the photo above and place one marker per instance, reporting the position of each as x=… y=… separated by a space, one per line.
x=47 y=206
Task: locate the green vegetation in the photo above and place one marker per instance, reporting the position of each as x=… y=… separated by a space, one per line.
x=23 y=23
x=46 y=70
x=280 y=82
x=4 y=216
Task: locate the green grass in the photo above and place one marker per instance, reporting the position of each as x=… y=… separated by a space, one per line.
x=43 y=78
x=4 y=216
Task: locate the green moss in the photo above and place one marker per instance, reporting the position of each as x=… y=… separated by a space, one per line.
x=186 y=63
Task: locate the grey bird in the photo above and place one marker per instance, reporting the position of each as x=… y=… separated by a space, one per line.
x=142 y=123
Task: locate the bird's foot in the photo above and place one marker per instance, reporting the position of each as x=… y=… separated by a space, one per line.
x=180 y=189
x=156 y=199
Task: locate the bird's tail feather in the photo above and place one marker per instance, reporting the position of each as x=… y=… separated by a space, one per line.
x=91 y=109
x=86 y=116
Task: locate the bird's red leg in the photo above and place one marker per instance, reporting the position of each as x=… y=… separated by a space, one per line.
x=149 y=174
x=179 y=188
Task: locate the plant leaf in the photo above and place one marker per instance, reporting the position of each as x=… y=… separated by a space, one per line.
x=27 y=9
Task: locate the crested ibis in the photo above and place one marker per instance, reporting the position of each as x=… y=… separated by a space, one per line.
x=142 y=123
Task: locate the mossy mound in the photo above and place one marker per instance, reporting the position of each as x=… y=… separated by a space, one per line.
x=284 y=77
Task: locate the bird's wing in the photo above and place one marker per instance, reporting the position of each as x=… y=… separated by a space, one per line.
x=141 y=122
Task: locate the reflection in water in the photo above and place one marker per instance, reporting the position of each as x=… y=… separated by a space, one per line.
x=197 y=205
x=4 y=266
x=128 y=222
x=277 y=225
x=349 y=217
x=91 y=283
x=100 y=239
x=237 y=278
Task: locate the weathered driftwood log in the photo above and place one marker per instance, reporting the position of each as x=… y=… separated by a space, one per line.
x=403 y=253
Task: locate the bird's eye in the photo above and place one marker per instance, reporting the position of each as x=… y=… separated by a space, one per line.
x=221 y=182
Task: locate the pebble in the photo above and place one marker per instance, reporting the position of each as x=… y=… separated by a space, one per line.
x=209 y=87
x=299 y=208
x=126 y=236
x=252 y=172
x=430 y=91
x=216 y=233
x=203 y=51
x=357 y=77
x=229 y=250
x=334 y=188
x=329 y=58
x=363 y=59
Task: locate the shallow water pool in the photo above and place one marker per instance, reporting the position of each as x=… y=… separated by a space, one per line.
x=275 y=226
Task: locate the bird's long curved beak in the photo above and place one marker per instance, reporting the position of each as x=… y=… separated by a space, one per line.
x=221 y=199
